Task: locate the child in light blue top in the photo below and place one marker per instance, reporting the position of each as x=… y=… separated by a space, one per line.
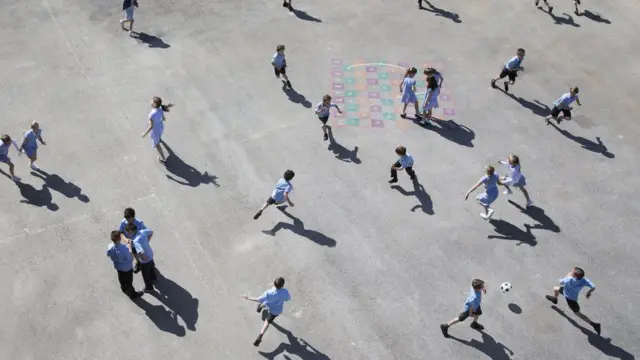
x=408 y=91
x=279 y=63
x=156 y=125
x=280 y=194
x=490 y=180
x=563 y=105
x=471 y=308
x=273 y=301
x=510 y=69
x=5 y=145
x=430 y=99
x=570 y=287
x=323 y=110
x=30 y=144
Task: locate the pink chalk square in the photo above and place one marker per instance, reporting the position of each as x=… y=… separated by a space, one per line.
x=338 y=86
x=337 y=73
x=375 y=108
x=336 y=62
x=338 y=100
x=372 y=69
x=372 y=81
x=374 y=95
x=377 y=123
x=448 y=112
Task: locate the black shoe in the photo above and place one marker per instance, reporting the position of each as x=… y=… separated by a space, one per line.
x=148 y=290
x=506 y=86
x=290 y=8
x=259 y=308
x=326 y=137
x=257 y=215
x=550 y=9
x=136 y=295
x=597 y=328
x=284 y=4
x=474 y=325
x=445 y=330
x=393 y=180
x=403 y=115
x=136 y=268
x=413 y=177
x=258 y=341
x=493 y=83
x=558 y=120
x=552 y=299
x=537 y=2
x=289 y=84
x=577 y=13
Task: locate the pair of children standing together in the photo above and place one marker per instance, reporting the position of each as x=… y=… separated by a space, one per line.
x=408 y=89
x=29 y=146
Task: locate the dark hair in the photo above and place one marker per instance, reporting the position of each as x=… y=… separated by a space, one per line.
x=515 y=159
x=157 y=103
x=578 y=272
x=521 y=50
x=278 y=283
x=288 y=175
x=575 y=88
x=5 y=138
x=490 y=170
x=410 y=70
x=430 y=71
x=326 y=98
x=131 y=227
x=279 y=47
x=129 y=213
x=401 y=150
x=477 y=284
x=432 y=83
x=115 y=235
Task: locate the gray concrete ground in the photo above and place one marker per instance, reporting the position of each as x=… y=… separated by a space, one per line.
x=373 y=270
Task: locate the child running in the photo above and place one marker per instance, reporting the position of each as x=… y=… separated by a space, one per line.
x=280 y=194
x=280 y=64
x=515 y=178
x=271 y=300
x=156 y=125
x=405 y=162
x=510 y=69
x=128 y=6
x=30 y=144
x=570 y=287
x=549 y=7
x=323 y=111
x=430 y=99
x=471 y=308
x=491 y=180
x=562 y=104
x=408 y=91
x=5 y=146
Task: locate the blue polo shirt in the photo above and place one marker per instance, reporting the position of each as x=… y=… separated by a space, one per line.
x=473 y=301
x=121 y=256
x=273 y=299
x=141 y=243
x=564 y=101
x=283 y=186
x=406 y=161
x=278 y=60
x=513 y=63
x=572 y=286
x=139 y=224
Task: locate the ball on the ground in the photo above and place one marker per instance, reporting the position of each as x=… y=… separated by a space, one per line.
x=505 y=287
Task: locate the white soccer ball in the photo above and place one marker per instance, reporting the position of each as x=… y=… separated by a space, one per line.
x=505 y=287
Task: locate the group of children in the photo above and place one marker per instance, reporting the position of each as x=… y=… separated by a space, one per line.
x=550 y=8
x=29 y=147
x=434 y=82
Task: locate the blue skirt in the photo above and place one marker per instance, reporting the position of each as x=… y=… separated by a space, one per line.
x=488 y=197
x=408 y=98
x=30 y=151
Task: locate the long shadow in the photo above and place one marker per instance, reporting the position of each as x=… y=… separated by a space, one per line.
x=177 y=299
x=595 y=17
x=296 y=346
x=597 y=341
x=341 y=152
x=303 y=15
x=298 y=228
x=151 y=41
x=295 y=97
x=34 y=197
x=441 y=12
x=55 y=182
x=598 y=147
x=164 y=319
x=561 y=20
x=188 y=175
x=537 y=214
x=452 y=131
x=509 y=231
x=536 y=106
x=421 y=194
x=489 y=346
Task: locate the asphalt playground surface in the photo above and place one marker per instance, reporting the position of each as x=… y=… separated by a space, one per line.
x=373 y=270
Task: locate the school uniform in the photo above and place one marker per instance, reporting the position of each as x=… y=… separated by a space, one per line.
x=515 y=177
x=324 y=111
x=510 y=69
x=30 y=147
x=145 y=253
x=157 y=119
x=139 y=225
x=277 y=196
x=562 y=104
x=123 y=263
x=439 y=79
x=273 y=301
x=490 y=193
x=4 y=151
x=279 y=64
x=404 y=162
x=408 y=95
x=472 y=304
x=433 y=100
x=127 y=7
x=570 y=288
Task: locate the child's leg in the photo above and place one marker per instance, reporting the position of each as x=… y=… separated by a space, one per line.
x=264 y=206
x=286 y=78
x=576 y=2
x=453 y=322
x=415 y=104
x=404 y=108
x=162 y=158
x=556 y=292
x=525 y=193
x=11 y=168
x=265 y=326
x=410 y=172
x=394 y=172
x=131 y=25
x=32 y=159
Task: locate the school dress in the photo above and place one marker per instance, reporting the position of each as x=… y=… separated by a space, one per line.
x=30 y=146
x=490 y=193
x=127 y=7
x=4 y=151
x=408 y=96
x=515 y=177
x=433 y=102
x=156 y=116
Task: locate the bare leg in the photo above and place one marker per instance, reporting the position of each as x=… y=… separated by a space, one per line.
x=11 y=167
x=525 y=193
x=131 y=26
x=453 y=322
x=162 y=158
x=415 y=104
x=404 y=109
x=265 y=326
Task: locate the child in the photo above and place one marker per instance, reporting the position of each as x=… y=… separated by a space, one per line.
x=562 y=104
x=570 y=287
x=280 y=194
x=491 y=181
x=130 y=218
x=405 y=162
x=121 y=256
x=430 y=99
x=280 y=64
x=287 y=4
x=128 y=6
x=30 y=144
x=434 y=73
x=510 y=69
x=576 y=3
x=4 y=154
x=140 y=240
x=515 y=178
x=471 y=308
x=322 y=110
x=271 y=300
x=408 y=91
x=156 y=125
x=549 y=7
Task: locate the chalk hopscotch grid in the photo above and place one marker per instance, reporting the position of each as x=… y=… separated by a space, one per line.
x=367 y=92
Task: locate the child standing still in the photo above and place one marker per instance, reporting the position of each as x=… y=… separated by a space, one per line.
x=128 y=7
x=323 y=111
x=491 y=180
x=562 y=104
x=510 y=69
x=430 y=99
x=471 y=308
x=156 y=125
x=4 y=154
x=408 y=91
x=405 y=162
x=515 y=178
x=280 y=194
x=280 y=64
x=30 y=144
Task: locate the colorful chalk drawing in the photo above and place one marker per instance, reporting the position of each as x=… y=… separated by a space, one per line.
x=367 y=92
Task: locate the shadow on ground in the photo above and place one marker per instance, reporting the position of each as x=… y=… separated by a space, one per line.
x=185 y=174
x=55 y=182
x=544 y=222
x=341 y=152
x=420 y=194
x=597 y=147
x=489 y=346
x=295 y=97
x=178 y=300
x=303 y=15
x=298 y=228
x=296 y=346
x=441 y=12
x=508 y=231
x=451 y=131
x=151 y=40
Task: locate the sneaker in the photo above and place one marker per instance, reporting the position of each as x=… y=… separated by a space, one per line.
x=490 y=213
x=597 y=328
x=552 y=299
x=136 y=295
x=326 y=137
x=148 y=290
x=418 y=116
x=537 y=2
x=483 y=215
x=506 y=86
x=257 y=215
x=15 y=178
x=546 y=121
x=34 y=167
x=136 y=268
x=284 y=4
x=258 y=341
x=550 y=9
x=493 y=83
x=403 y=115
x=507 y=192
x=393 y=180
x=445 y=330
x=529 y=203
x=577 y=13
x=474 y=325
x=289 y=84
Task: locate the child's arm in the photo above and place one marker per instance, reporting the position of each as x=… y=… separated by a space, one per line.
x=578 y=102
x=148 y=128
x=41 y=140
x=250 y=298
x=286 y=198
x=589 y=292
x=24 y=141
x=337 y=108
x=472 y=190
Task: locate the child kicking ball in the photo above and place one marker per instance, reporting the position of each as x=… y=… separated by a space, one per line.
x=280 y=194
